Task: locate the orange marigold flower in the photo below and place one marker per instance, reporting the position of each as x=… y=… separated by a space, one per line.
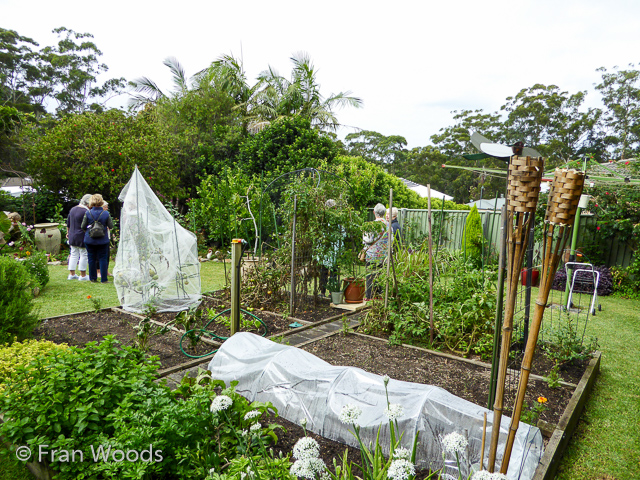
x=88 y=296
x=542 y=400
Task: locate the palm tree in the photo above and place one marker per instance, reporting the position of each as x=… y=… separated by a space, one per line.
x=301 y=95
x=146 y=91
x=227 y=75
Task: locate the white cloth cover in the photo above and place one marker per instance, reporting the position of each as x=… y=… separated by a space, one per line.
x=300 y=385
x=157 y=260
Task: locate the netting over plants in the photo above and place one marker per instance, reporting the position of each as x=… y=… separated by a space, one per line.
x=157 y=260
x=302 y=386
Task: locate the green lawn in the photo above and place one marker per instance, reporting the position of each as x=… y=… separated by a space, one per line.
x=606 y=445
x=62 y=296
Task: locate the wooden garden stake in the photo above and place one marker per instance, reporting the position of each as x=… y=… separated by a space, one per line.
x=561 y=210
x=389 y=249
x=523 y=188
x=430 y=262
x=292 y=300
x=484 y=436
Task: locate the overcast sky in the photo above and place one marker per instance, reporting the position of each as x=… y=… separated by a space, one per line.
x=412 y=62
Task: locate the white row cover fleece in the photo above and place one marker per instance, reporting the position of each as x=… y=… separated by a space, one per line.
x=300 y=385
x=157 y=261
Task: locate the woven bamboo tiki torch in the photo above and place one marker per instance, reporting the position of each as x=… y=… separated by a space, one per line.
x=523 y=188
x=561 y=211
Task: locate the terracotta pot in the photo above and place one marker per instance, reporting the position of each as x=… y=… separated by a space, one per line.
x=47 y=237
x=535 y=277
x=354 y=293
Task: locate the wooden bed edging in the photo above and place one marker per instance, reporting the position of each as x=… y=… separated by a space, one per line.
x=568 y=422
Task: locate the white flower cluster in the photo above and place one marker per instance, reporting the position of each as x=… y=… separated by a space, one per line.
x=484 y=475
x=401 y=453
x=401 y=470
x=394 y=411
x=305 y=448
x=248 y=475
x=251 y=415
x=309 y=468
x=220 y=403
x=255 y=427
x=308 y=464
x=350 y=414
x=454 y=443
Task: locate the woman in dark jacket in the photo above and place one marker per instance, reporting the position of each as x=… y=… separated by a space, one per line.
x=97 y=248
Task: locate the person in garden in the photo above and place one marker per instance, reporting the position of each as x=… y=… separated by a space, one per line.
x=96 y=238
x=105 y=206
x=392 y=213
x=376 y=251
x=75 y=235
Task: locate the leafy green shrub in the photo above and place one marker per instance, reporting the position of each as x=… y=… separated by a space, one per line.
x=464 y=304
x=21 y=354
x=287 y=144
x=69 y=406
x=473 y=238
x=16 y=301
x=36 y=265
x=626 y=281
x=564 y=343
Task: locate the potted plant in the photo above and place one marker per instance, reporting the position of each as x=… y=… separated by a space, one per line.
x=535 y=277
x=334 y=285
x=354 y=284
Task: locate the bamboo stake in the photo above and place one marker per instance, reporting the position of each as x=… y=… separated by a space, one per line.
x=431 y=328
x=523 y=188
x=561 y=209
x=484 y=436
x=389 y=250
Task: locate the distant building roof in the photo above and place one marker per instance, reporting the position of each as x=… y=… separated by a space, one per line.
x=423 y=191
x=488 y=203
x=14 y=182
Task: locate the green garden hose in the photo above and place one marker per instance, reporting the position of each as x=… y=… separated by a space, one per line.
x=213 y=335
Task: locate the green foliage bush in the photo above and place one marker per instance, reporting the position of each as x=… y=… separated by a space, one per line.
x=96 y=152
x=17 y=319
x=21 y=354
x=104 y=398
x=464 y=303
x=626 y=281
x=69 y=406
x=220 y=212
x=285 y=145
x=473 y=237
x=618 y=212
x=36 y=265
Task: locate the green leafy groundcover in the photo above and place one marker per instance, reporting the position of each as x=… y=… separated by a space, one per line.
x=103 y=412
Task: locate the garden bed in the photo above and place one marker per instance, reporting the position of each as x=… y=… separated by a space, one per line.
x=466 y=379
x=81 y=328
x=78 y=329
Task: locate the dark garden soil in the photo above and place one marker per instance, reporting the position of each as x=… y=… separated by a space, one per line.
x=93 y=327
x=462 y=379
x=412 y=365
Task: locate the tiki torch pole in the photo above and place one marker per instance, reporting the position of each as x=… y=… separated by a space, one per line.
x=523 y=188
x=561 y=210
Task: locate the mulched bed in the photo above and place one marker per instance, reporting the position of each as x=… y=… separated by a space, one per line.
x=465 y=380
x=93 y=326
x=82 y=328
x=460 y=378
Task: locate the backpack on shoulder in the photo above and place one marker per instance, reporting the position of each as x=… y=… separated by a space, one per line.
x=96 y=230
